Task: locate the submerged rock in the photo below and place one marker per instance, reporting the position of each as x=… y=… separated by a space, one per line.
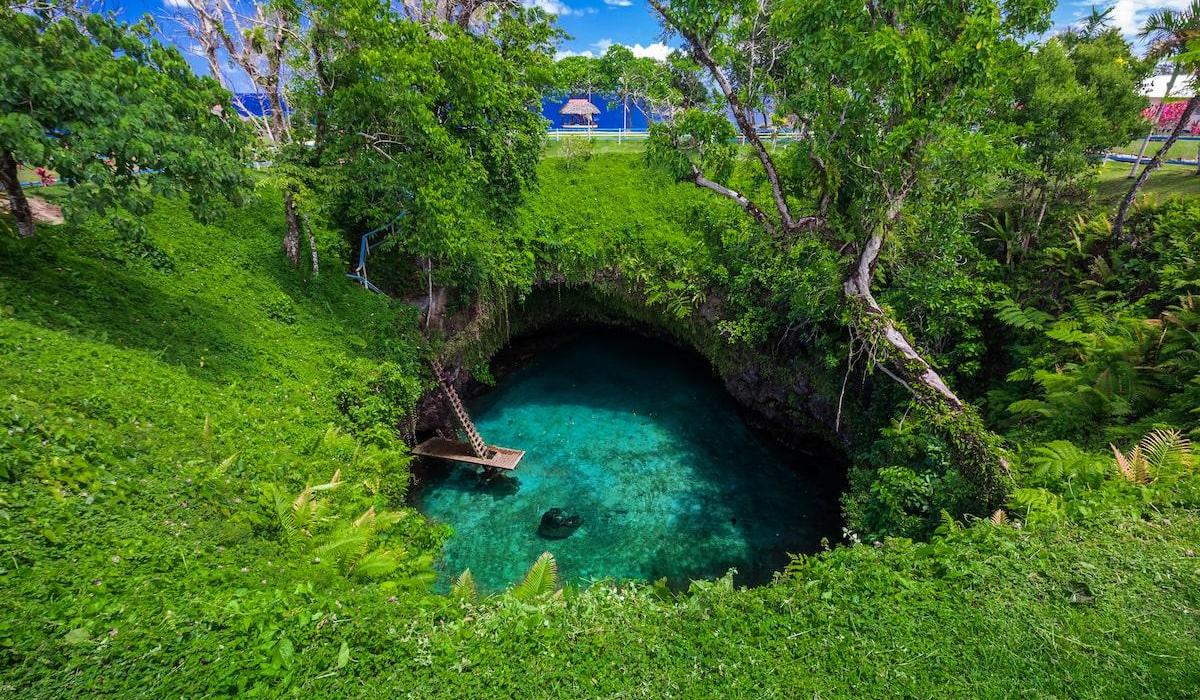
x=556 y=524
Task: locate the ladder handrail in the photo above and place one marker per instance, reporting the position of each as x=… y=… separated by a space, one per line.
x=478 y=446
x=460 y=412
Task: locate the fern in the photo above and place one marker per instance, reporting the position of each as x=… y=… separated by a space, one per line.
x=1067 y=331
x=541 y=579
x=1060 y=462
x=1160 y=453
x=946 y=523
x=1026 y=407
x=1011 y=314
x=376 y=564
x=999 y=517
x=1166 y=449
x=1036 y=503
x=464 y=587
x=346 y=547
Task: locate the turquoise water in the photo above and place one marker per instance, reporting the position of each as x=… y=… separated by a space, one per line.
x=641 y=442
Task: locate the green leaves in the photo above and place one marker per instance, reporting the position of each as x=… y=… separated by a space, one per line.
x=120 y=116
x=1011 y=314
x=540 y=581
x=697 y=138
x=464 y=587
x=435 y=121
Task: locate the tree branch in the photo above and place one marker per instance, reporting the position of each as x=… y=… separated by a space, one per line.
x=703 y=55
x=742 y=201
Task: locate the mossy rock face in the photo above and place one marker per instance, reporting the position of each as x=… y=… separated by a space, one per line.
x=795 y=397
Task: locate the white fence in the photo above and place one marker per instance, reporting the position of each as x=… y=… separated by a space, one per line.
x=622 y=135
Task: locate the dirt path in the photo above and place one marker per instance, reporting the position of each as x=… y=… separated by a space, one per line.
x=43 y=212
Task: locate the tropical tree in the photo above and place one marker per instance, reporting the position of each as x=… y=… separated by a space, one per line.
x=687 y=81
x=1189 y=60
x=119 y=116
x=1076 y=99
x=578 y=75
x=254 y=42
x=894 y=101
x=1097 y=23
x=433 y=120
x=1167 y=32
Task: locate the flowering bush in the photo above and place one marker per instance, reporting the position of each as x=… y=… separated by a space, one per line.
x=1170 y=115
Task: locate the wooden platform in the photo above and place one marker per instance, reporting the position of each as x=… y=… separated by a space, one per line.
x=497 y=457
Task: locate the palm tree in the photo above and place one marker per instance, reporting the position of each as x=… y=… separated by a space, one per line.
x=1097 y=22
x=1170 y=33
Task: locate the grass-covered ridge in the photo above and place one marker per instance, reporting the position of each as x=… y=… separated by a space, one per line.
x=162 y=400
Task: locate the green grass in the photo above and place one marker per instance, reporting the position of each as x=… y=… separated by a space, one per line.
x=600 y=144
x=1168 y=181
x=155 y=392
x=1180 y=149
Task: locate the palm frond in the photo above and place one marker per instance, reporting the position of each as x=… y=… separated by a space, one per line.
x=541 y=579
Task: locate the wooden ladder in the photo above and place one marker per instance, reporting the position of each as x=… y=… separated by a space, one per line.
x=460 y=411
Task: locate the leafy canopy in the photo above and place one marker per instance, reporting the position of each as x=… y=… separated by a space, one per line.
x=117 y=114
x=436 y=121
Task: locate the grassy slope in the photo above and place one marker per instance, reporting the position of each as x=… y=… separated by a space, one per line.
x=129 y=569
x=1169 y=181
x=1181 y=149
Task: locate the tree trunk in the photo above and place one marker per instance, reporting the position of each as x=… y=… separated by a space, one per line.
x=291 y=237
x=976 y=452
x=16 y=195
x=312 y=247
x=912 y=370
x=702 y=54
x=1162 y=104
x=1153 y=165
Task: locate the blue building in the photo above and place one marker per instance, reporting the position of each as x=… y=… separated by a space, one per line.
x=610 y=116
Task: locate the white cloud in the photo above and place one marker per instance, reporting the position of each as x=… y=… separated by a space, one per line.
x=554 y=7
x=618 y=3
x=1130 y=15
x=658 y=51
x=177 y=4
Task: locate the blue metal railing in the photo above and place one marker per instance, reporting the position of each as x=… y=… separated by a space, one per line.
x=365 y=244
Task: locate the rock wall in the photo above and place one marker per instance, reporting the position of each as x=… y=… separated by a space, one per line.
x=785 y=389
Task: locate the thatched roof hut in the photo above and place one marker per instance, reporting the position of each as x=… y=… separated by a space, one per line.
x=579 y=112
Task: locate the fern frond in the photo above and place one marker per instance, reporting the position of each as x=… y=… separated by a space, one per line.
x=541 y=579
x=346 y=547
x=999 y=517
x=376 y=564
x=334 y=482
x=464 y=587
x=367 y=519
x=1131 y=466
x=1012 y=314
x=1165 y=449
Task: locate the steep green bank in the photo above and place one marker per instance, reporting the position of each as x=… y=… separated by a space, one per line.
x=165 y=405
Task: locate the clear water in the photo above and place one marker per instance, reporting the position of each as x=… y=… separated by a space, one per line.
x=645 y=446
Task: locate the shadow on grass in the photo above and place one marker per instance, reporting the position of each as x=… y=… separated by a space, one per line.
x=46 y=284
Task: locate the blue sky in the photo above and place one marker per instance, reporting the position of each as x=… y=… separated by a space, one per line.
x=595 y=24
